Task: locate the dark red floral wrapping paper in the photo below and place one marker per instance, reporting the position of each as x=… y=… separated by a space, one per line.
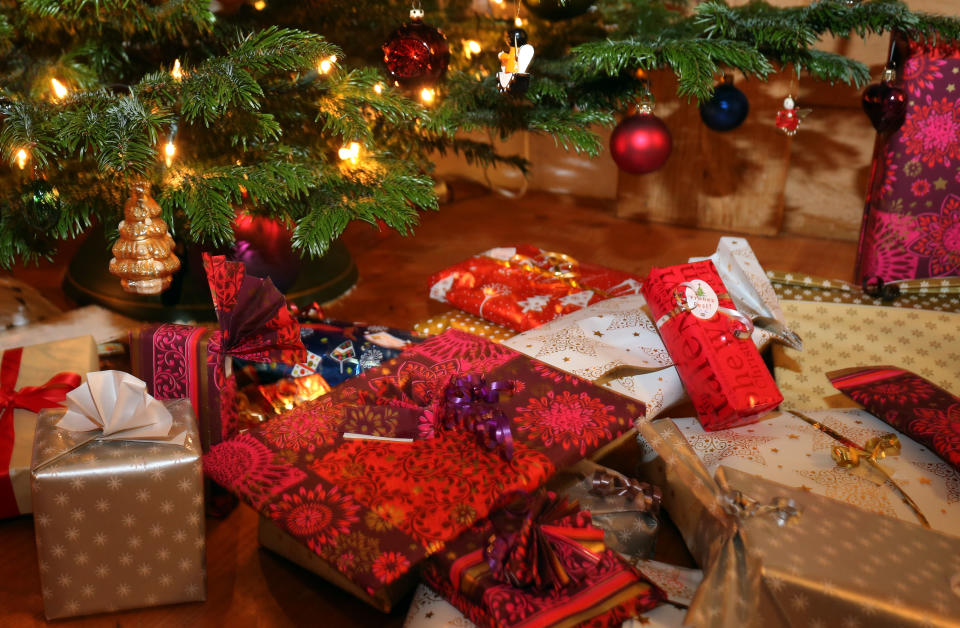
x=372 y=510
x=725 y=376
x=913 y=405
x=605 y=591
x=523 y=287
x=912 y=212
x=192 y=362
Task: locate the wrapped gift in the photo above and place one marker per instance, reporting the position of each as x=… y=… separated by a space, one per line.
x=836 y=335
x=456 y=319
x=941 y=294
x=540 y=564
x=614 y=343
x=31 y=379
x=420 y=472
x=192 y=362
x=708 y=340
x=625 y=509
x=789 y=450
x=118 y=500
x=913 y=198
x=335 y=350
x=782 y=556
x=523 y=287
x=927 y=413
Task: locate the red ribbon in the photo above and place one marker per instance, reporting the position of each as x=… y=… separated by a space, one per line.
x=32 y=398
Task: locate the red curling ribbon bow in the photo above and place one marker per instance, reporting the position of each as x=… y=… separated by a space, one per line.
x=32 y=398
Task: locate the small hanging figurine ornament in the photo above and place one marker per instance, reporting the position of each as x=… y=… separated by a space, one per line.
x=143 y=255
x=789 y=117
x=513 y=77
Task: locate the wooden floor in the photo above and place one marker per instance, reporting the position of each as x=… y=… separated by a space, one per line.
x=247 y=586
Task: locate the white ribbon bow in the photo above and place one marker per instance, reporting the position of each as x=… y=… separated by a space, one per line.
x=117 y=404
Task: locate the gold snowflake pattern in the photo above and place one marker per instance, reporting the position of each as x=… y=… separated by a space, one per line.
x=714 y=447
x=851 y=488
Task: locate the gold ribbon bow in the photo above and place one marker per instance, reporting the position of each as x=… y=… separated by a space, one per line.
x=849 y=455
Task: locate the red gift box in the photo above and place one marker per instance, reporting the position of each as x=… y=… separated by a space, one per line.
x=550 y=569
x=192 y=362
x=524 y=287
x=365 y=512
x=709 y=341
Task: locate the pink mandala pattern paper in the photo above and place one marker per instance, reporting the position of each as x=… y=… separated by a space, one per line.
x=911 y=223
x=374 y=509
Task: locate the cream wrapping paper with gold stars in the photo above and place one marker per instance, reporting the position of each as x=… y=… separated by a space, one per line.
x=618 y=336
x=119 y=524
x=832 y=565
x=785 y=449
x=839 y=335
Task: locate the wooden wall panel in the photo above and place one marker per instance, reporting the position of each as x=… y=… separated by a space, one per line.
x=729 y=181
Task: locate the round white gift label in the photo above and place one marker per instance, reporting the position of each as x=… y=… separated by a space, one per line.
x=701 y=299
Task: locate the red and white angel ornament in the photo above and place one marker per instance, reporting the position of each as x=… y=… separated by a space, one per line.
x=789 y=117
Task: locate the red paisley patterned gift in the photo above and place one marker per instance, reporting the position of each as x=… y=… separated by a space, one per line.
x=911 y=220
x=523 y=287
x=188 y=361
x=913 y=405
x=709 y=341
x=370 y=509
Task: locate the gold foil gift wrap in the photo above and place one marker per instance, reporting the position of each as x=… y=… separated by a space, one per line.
x=829 y=564
x=457 y=319
x=838 y=335
x=37 y=365
x=119 y=524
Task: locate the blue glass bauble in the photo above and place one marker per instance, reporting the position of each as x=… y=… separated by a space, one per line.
x=726 y=109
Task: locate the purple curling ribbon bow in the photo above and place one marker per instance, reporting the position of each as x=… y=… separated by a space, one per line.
x=471 y=403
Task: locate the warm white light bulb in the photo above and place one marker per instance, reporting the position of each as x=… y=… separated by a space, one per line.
x=169 y=151
x=22 y=158
x=378 y=88
x=324 y=66
x=518 y=21
x=176 y=72
x=259 y=5
x=427 y=95
x=59 y=89
x=471 y=47
x=350 y=152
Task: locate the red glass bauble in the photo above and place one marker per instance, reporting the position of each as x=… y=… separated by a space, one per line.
x=416 y=54
x=641 y=143
x=886 y=106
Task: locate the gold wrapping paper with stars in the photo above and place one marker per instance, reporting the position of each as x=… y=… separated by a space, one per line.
x=831 y=564
x=119 y=524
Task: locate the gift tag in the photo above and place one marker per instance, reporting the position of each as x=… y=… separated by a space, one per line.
x=702 y=301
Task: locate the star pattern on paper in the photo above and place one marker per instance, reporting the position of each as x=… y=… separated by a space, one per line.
x=714 y=447
x=536 y=303
x=944 y=471
x=570 y=339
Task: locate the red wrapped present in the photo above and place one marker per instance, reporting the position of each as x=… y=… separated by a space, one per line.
x=524 y=287
x=709 y=341
x=539 y=563
x=912 y=404
x=187 y=361
x=441 y=445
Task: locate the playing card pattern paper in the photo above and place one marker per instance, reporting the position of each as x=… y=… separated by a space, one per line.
x=523 y=287
x=785 y=449
x=922 y=410
x=374 y=509
x=838 y=335
x=119 y=524
x=913 y=201
x=830 y=564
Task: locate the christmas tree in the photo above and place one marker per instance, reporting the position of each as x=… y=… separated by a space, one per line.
x=285 y=109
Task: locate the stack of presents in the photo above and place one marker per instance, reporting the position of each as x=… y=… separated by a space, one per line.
x=816 y=481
